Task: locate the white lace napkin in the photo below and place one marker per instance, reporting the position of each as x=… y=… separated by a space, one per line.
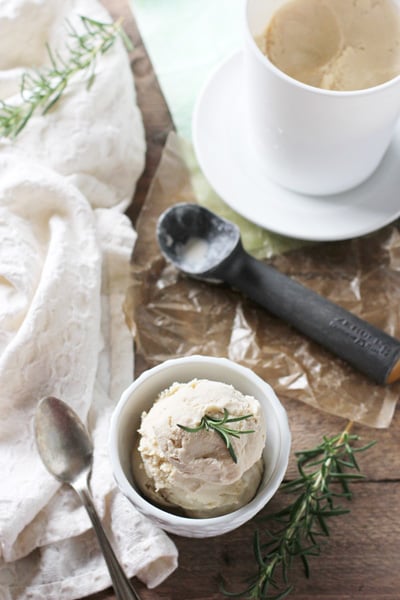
x=64 y=267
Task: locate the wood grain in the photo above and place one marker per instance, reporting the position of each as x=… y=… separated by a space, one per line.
x=156 y=116
x=360 y=560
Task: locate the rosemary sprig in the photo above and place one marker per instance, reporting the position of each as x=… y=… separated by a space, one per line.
x=324 y=476
x=43 y=88
x=210 y=423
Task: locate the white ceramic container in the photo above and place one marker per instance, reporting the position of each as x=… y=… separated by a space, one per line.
x=310 y=140
x=140 y=395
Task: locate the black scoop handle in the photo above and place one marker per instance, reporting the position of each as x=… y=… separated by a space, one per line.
x=365 y=347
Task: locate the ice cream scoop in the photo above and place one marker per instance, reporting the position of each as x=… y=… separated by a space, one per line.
x=203 y=245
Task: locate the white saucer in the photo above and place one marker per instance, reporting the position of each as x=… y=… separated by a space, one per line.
x=225 y=156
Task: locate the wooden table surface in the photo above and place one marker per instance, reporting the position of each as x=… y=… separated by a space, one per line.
x=361 y=558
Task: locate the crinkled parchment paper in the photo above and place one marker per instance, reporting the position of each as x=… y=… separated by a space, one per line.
x=174 y=316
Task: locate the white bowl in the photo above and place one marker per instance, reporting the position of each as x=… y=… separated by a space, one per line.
x=139 y=397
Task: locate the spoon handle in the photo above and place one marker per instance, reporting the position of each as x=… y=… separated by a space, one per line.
x=365 y=347
x=122 y=586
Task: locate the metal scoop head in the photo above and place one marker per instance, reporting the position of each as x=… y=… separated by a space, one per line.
x=196 y=241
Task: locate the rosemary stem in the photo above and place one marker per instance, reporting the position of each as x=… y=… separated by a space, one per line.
x=42 y=89
x=299 y=523
x=349 y=427
x=319 y=482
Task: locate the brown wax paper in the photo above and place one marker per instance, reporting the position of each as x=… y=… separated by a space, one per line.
x=172 y=315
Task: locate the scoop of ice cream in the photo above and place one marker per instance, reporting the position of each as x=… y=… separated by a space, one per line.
x=335 y=44
x=195 y=471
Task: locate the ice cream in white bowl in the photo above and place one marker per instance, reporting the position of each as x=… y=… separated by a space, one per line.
x=199 y=483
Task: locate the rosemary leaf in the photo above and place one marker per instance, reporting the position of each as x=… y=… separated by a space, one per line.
x=42 y=89
x=218 y=424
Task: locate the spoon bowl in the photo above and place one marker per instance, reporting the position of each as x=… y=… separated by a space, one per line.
x=63 y=443
x=66 y=450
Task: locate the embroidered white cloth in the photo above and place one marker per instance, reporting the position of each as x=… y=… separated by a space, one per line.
x=65 y=246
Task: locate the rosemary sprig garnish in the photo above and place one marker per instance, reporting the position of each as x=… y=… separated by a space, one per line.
x=43 y=88
x=210 y=423
x=324 y=476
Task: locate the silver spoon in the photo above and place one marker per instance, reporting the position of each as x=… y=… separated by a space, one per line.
x=67 y=453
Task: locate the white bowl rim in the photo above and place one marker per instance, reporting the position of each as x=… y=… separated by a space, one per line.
x=248 y=510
